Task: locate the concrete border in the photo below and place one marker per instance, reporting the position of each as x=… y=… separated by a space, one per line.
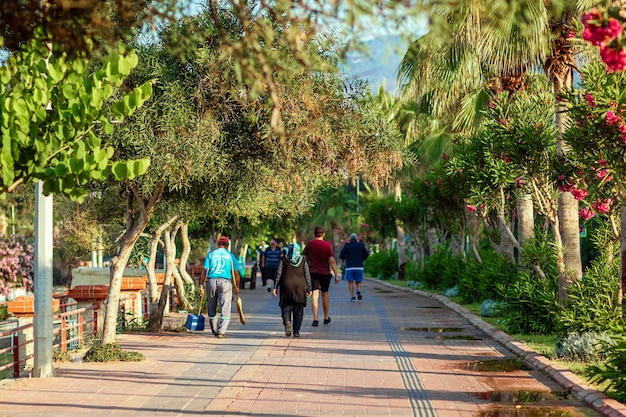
x=561 y=375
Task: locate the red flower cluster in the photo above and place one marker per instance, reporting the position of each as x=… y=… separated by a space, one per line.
x=604 y=32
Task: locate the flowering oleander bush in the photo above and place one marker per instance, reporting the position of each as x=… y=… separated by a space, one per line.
x=597 y=136
x=604 y=28
x=16 y=264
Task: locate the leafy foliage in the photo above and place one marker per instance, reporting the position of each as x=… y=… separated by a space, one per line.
x=583 y=347
x=111 y=352
x=592 y=302
x=531 y=304
x=16 y=264
x=382 y=264
x=597 y=137
x=442 y=270
x=52 y=110
x=491 y=308
x=486 y=279
x=612 y=368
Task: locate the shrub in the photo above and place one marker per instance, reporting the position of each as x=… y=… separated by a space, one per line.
x=488 y=279
x=490 y=308
x=382 y=264
x=581 y=347
x=16 y=264
x=612 y=369
x=531 y=304
x=416 y=284
x=111 y=352
x=441 y=270
x=592 y=302
x=451 y=292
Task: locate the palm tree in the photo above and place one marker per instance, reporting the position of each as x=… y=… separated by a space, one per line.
x=495 y=45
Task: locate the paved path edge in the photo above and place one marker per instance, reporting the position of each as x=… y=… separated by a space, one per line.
x=561 y=375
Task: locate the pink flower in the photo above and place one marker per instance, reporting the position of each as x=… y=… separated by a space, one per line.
x=602 y=206
x=601 y=173
x=470 y=207
x=612 y=118
x=586 y=213
x=579 y=194
x=427 y=183
x=597 y=31
x=590 y=100
x=615 y=59
x=602 y=162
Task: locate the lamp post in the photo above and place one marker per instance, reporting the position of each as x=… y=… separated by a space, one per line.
x=42 y=321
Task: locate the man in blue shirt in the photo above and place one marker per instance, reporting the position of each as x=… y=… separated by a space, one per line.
x=353 y=254
x=271 y=260
x=221 y=268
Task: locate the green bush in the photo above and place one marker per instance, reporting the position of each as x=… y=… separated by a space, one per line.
x=382 y=265
x=491 y=308
x=111 y=352
x=192 y=292
x=541 y=251
x=481 y=281
x=441 y=270
x=611 y=370
x=592 y=302
x=581 y=347
x=531 y=303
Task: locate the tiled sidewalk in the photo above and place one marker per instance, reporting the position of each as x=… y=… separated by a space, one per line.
x=395 y=353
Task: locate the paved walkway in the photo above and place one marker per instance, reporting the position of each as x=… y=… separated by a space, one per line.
x=395 y=353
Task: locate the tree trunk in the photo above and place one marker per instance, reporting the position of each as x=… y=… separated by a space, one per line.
x=571 y=267
x=525 y=218
x=134 y=228
x=622 y=241
x=403 y=258
x=155 y=316
x=171 y=269
x=184 y=255
x=473 y=224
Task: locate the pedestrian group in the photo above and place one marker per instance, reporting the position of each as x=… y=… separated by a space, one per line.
x=296 y=276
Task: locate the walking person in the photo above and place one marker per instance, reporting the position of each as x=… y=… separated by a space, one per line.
x=259 y=258
x=221 y=269
x=319 y=255
x=271 y=260
x=353 y=254
x=293 y=283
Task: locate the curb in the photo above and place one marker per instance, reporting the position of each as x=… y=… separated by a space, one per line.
x=562 y=376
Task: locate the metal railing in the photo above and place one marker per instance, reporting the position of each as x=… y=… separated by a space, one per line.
x=71 y=331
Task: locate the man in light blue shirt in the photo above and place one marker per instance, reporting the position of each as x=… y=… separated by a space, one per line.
x=221 y=268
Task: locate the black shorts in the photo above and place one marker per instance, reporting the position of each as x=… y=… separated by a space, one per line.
x=320 y=281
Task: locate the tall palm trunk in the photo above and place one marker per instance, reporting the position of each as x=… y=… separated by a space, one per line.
x=622 y=241
x=569 y=259
x=525 y=218
x=403 y=259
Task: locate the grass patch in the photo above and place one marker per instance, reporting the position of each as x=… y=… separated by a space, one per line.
x=111 y=352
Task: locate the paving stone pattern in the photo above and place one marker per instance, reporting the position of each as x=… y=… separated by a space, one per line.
x=395 y=353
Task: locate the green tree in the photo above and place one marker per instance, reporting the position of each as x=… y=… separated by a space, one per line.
x=212 y=139
x=495 y=44
x=52 y=115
